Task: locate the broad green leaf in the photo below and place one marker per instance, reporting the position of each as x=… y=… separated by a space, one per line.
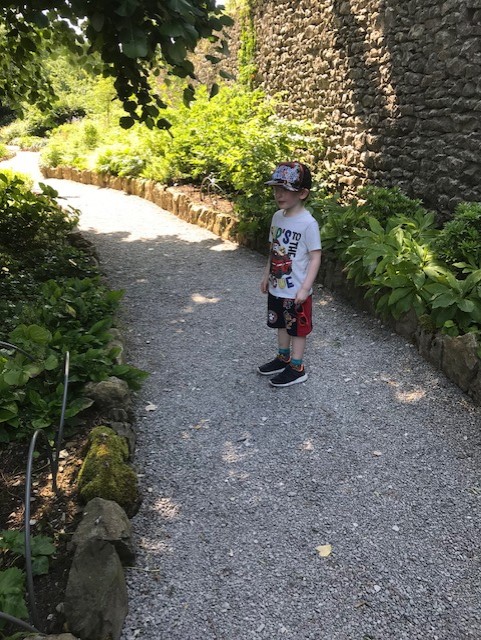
x=77 y=405
x=444 y=300
x=134 y=42
x=397 y=294
x=8 y=411
x=16 y=377
x=51 y=362
x=466 y=305
x=40 y=565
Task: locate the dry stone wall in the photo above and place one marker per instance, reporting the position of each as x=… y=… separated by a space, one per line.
x=398 y=84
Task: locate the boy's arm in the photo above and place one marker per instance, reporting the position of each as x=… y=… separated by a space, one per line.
x=265 y=276
x=314 y=264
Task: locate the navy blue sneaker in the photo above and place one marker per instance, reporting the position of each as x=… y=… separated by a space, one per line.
x=289 y=376
x=274 y=366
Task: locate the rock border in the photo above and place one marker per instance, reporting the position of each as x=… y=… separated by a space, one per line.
x=455 y=356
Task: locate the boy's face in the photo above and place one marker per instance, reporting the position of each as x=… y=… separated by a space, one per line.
x=286 y=199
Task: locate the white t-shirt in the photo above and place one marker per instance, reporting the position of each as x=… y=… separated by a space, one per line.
x=292 y=238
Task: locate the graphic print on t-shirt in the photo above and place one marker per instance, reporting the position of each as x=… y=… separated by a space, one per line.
x=284 y=248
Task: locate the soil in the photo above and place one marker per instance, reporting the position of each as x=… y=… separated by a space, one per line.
x=214 y=200
x=53 y=515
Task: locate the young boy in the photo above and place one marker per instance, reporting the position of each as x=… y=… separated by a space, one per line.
x=291 y=269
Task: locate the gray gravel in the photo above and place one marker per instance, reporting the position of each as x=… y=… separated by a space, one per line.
x=377 y=454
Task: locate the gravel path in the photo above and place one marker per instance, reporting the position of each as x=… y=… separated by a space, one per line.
x=377 y=454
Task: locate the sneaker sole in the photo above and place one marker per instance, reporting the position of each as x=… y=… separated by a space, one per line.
x=288 y=384
x=270 y=373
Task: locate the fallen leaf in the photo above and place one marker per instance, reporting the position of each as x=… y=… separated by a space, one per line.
x=377 y=453
x=151 y=407
x=324 y=550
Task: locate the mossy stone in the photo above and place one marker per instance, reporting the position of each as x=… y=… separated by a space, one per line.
x=105 y=474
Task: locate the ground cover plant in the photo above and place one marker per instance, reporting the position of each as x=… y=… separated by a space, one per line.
x=390 y=245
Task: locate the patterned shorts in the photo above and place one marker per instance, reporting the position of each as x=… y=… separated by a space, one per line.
x=282 y=313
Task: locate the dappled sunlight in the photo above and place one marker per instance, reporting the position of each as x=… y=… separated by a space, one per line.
x=225 y=246
x=198 y=298
x=154 y=544
x=231 y=454
x=233 y=474
x=167 y=508
x=410 y=396
x=307 y=445
x=406 y=396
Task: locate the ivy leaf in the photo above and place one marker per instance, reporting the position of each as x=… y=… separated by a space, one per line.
x=51 y=362
x=40 y=565
x=77 y=405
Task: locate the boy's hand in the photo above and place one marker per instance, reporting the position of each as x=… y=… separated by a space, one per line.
x=301 y=296
x=265 y=285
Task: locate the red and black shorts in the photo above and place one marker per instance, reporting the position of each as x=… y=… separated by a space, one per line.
x=283 y=313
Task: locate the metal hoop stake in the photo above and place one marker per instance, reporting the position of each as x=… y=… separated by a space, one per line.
x=28 y=491
x=18 y=622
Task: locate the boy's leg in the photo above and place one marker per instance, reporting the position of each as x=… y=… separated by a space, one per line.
x=295 y=371
x=284 y=342
x=298 y=347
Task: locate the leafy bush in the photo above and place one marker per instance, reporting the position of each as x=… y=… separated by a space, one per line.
x=28 y=220
x=459 y=241
x=118 y=160
x=5 y=153
x=379 y=203
x=12 y=579
x=12 y=543
x=24 y=181
x=30 y=143
x=12 y=590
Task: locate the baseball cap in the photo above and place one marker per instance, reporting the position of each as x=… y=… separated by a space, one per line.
x=293 y=176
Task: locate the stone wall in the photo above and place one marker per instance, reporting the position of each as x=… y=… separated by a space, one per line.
x=398 y=83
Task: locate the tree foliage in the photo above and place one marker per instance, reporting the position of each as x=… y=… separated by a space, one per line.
x=124 y=39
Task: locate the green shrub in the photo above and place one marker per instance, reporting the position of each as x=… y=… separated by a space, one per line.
x=12 y=594
x=459 y=241
x=119 y=160
x=23 y=181
x=30 y=143
x=235 y=137
x=12 y=544
x=30 y=222
x=380 y=203
x=5 y=153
